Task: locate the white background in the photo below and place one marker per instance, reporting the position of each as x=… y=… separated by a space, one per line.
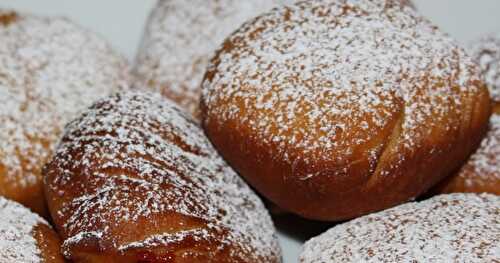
x=122 y=21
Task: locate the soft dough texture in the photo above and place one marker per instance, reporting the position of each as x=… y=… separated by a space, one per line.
x=136 y=180
x=334 y=109
x=447 y=228
x=50 y=69
x=180 y=37
x=26 y=237
x=482 y=172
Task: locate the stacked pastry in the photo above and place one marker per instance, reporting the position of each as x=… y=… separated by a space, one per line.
x=331 y=109
x=133 y=180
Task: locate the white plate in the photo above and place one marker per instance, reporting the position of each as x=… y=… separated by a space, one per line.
x=122 y=21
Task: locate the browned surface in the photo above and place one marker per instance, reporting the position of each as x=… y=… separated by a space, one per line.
x=7 y=18
x=325 y=197
x=469 y=182
x=358 y=184
x=188 y=250
x=129 y=199
x=29 y=194
x=48 y=243
x=470 y=179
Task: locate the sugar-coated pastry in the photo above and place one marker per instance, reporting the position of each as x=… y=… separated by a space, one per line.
x=25 y=237
x=135 y=180
x=482 y=172
x=486 y=53
x=50 y=69
x=446 y=228
x=335 y=109
x=180 y=37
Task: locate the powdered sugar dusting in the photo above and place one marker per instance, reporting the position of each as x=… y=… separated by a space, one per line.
x=160 y=161
x=486 y=52
x=180 y=38
x=17 y=243
x=50 y=69
x=322 y=77
x=485 y=162
x=447 y=228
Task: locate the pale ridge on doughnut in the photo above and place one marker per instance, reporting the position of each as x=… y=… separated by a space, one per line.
x=134 y=132
x=446 y=228
x=180 y=37
x=50 y=69
x=17 y=243
x=282 y=65
x=486 y=52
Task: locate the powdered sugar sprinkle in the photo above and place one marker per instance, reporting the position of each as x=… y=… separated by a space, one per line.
x=50 y=69
x=447 y=228
x=322 y=77
x=486 y=52
x=180 y=38
x=17 y=243
x=164 y=163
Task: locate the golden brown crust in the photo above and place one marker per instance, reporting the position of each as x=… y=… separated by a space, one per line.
x=30 y=195
x=7 y=18
x=468 y=181
x=49 y=244
x=335 y=131
x=50 y=69
x=481 y=173
x=135 y=180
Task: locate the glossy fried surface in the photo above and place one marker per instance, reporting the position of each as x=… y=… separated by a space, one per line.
x=135 y=180
x=335 y=109
x=49 y=244
x=481 y=173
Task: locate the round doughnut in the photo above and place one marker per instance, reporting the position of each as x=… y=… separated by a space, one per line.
x=179 y=39
x=26 y=237
x=50 y=69
x=135 y=180
x=335 y=109
x=481 y=174
x=446 y=228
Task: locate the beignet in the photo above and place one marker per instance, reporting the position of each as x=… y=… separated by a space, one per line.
x=446 y=228
x=50 y=69
x=335 y=109
x=135 y=180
